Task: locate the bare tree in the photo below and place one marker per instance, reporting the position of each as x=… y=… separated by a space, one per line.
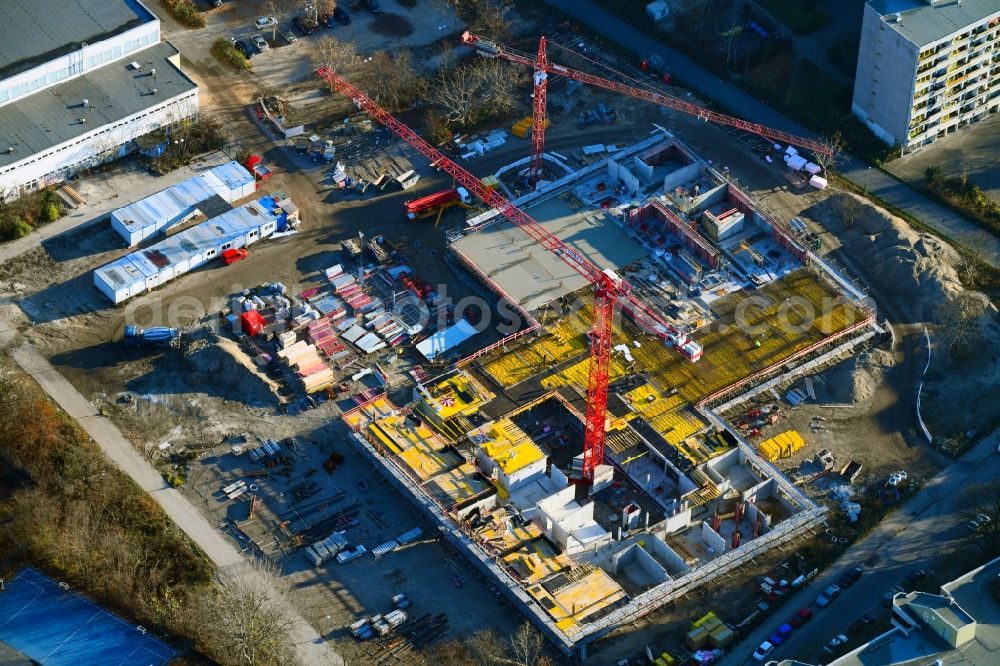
x=526 y=645
x=969 y=265
x=835 y=144
x=486 y=647
x=392 y=80
x=310 y=8
x=455 y=90
x=330 y=52
x=245 y=619
x=959 y=324
x=272 y=8
x=485 y=17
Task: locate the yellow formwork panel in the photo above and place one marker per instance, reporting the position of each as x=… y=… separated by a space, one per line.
x=753 y=330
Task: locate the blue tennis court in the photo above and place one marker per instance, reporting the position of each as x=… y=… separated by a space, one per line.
x=56 y=627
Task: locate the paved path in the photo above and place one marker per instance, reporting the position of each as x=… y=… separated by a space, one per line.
x=310 y=647
x=916 y=536
x=710 y=86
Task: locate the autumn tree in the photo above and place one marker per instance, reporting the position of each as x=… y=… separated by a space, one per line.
x=484 y=17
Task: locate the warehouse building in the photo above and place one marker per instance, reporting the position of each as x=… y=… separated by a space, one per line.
x=926 y=68
x=208 y=194
x=79 y=81
x=185 y=251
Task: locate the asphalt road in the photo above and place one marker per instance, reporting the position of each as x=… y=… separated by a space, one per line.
x=924 y=529
x=746 y=106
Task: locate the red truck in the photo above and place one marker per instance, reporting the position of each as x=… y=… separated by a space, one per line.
x=432 y=202
x=255 y=165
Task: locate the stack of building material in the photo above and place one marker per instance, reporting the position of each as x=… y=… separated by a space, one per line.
x=287 y=339
x=386 y=326
x=330 y=306
x=370 y=343
x=409 y=535
x=311 y=370
x=781 y=446
x=322 y=335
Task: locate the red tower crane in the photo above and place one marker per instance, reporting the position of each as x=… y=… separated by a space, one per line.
x=542 y=66
x=609 y=288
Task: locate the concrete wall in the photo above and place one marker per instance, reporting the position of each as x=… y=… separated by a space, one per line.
x=642 y=170
x=885 y=78
x=620 y=174
x=683 y=175
x=675 y=565
x=713 y=539
x=762 y=490
x=677 y=522
x=635 y=554
x=753 y=512
x=715 y=195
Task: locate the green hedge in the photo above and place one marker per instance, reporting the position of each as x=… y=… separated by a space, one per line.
x=225 y=51
x=185 y=12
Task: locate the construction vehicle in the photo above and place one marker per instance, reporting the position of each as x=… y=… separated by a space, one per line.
x=543 y=69
x=610 y=290
x=316 y=147
x=157 y=336
x=301 y=144
x=255 y=165
x=329 y=151
x=429 y=205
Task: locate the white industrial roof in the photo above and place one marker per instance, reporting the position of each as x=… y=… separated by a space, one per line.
x=188 y=243
x=180 y=200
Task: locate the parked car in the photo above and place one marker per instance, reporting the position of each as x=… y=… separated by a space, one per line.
x=779 y=636
x=287 y=35
x=837 y=640
x=373 y=6
x=913 y=578
x=305 y=25
x=829 y=594
x=341 y=15
x=888 y=596
x=764 y=649
x=979 y=522
x=246 y=48
x=861 y=623
x=232 y=255
x=800 y=618
x=265 y=22
x=850 y=577
x=260 y=43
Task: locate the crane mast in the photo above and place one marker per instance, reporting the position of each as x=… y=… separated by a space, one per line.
x=609 y=289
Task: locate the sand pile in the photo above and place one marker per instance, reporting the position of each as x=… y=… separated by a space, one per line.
x=918 y=267
x=218 y=366
x=855 y=380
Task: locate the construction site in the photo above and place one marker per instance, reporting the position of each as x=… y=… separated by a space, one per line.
x=569 y=383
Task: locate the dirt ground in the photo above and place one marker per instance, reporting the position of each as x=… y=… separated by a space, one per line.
x=196 y=400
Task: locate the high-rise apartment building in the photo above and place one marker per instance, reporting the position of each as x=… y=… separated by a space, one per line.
x=927 y=68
